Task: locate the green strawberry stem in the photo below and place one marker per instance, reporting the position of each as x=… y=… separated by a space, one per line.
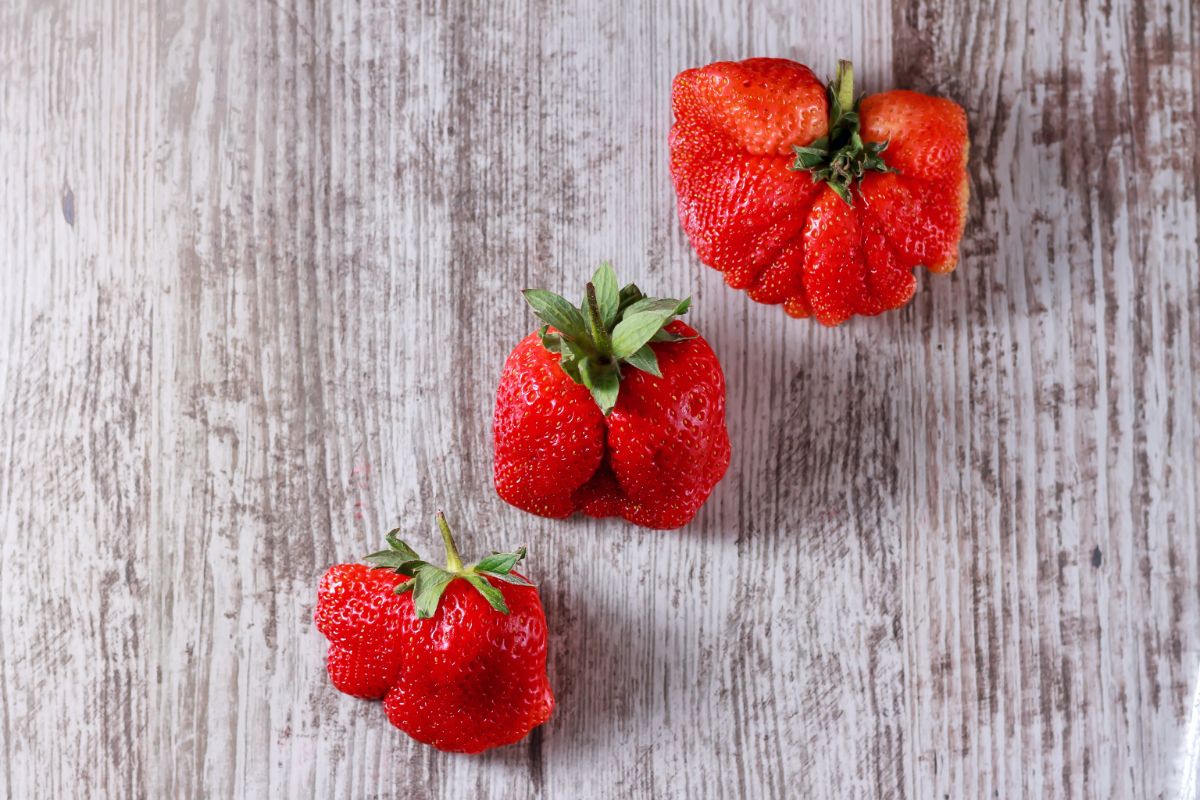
x=841 y=158
x=428 y=581
x=845 y=83
x=613 y=327
x=453 y=561
x=603 y=344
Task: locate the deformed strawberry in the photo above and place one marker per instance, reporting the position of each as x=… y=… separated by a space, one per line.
x=805 y=197
x=613 y=408
x=458 y=653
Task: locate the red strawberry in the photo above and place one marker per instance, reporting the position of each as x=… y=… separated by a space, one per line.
x=611 y=409
x=363 y=619
x=458 y=653
x=802 y=197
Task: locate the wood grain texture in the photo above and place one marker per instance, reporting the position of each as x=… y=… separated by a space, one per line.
x=260 y=264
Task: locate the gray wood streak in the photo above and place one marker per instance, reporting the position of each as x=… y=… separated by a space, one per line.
x=260 y=266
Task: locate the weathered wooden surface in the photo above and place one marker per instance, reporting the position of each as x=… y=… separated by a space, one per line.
x=259 y=267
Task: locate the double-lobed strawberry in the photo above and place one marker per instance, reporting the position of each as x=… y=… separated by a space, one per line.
x=804 y=196
x=456 y=653
x=612 y=408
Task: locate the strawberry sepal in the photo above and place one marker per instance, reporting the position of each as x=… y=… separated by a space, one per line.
x=841 y=158
x=610 y=328
x=428 y=581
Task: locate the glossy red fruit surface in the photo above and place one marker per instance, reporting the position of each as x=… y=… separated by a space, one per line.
x=805 y=198
x=363 y=618
x=653 y=459
x=473 y=678
x=458 y=654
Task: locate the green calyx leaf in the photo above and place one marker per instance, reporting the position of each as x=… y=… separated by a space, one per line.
x=428 y=586
x=644 y=359
x=629 y=295
x=608 y=296
x=485 y=588
x=399 y=557
x=642 y=320
x=602 y=379
x=841 y=158
x=429 y=581
x=556 y=311
x=610 y=328
x=500 y=562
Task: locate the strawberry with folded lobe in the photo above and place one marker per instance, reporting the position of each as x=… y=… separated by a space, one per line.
x=363 y=619
x=805 y=198
x=613 y=408
x=458 y=654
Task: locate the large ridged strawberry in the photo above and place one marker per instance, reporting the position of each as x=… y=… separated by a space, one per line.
x=457 y=653
x=613 y=408
x=803 y=197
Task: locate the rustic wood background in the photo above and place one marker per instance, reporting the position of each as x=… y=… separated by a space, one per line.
x=260 y=271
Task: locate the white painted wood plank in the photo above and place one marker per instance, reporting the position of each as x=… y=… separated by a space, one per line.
x=262 y=264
